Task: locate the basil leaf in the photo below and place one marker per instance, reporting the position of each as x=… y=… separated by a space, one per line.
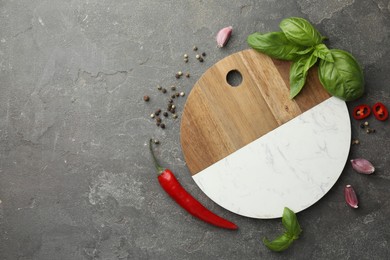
x=276 y=45
x=322 y=52
x=290 y=222
x=342 y=78
x=300 y=31
x=279 y=244
x=298 y=73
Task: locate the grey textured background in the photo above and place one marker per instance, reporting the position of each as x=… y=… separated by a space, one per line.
x=76 y=178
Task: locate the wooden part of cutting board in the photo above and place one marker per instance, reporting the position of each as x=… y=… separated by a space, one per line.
x=218 y=119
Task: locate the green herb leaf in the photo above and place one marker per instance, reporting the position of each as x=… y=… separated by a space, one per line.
x=298 y=73
x=276 y=45
x=322 y=52
x=342 y=78
x=290 y=222
x=300 y=31
x=279 y=244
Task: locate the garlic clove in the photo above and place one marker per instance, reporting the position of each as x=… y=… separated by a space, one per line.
x=350 y=196
x=362 y=166
x=223 y=36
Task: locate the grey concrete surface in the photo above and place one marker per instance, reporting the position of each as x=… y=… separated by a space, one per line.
x=76 y=177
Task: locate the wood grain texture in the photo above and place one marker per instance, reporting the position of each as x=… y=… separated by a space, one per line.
x=219 y=119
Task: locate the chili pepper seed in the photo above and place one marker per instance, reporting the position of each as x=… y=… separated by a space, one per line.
x=146 y=98
x=197 y=56
x=152 y=115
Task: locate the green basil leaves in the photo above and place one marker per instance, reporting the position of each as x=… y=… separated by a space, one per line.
x=293 y=230
x=301 y=43
x=275 y=45
x=342 y=78
x=300 y=31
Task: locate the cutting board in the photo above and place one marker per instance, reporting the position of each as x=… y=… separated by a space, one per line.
x=251 y=148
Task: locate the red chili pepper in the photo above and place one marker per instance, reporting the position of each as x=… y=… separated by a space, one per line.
x=361 y=111
x=380 y=111
x=172 y=186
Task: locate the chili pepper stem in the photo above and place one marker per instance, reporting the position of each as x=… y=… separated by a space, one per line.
x=159 y=168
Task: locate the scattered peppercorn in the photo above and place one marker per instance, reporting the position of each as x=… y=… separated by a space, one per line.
x=158 y=111
x=174 y=116
x=173 y=96
x=146 y=98
x=164 y=90
x=173 y=88
x=162 y=125
x=177 y=94
x=177 y=75
x=158 y=120
x=158 y=123
x=170 y=101
x=355 y=141
x=201 y=59
x=203 y=54
x=159 y=87
x=195 y=48
x=187 y=75
x=165 y=114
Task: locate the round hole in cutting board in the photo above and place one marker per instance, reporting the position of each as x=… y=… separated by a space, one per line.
x=234 y=78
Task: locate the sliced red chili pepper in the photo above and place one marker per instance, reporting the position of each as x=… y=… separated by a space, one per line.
x=172 y=186
x=380 y=111
x=361 y=111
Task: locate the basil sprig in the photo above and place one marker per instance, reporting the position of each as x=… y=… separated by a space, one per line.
x=293 y=230
x=299 y=42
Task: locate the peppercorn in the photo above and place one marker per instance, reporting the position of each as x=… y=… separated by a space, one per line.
x=146 y=98
x=162 y=125
x=170 y=101
x=201 y=59
x=173 y=96
x=187 y=75
x=169 y=106
x=158 y=123
x=165 y=114
x=164 y=90
x=158 y=111
x=203 y=54
x=152 y=115
x=158 y=120
x=195 y=48
x=174 y=116
x=177 y=75
x=173 y=88
x=159 y=87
